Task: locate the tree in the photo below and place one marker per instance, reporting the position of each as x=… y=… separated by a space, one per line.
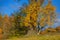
x=1 y=32
x=1 y=21
x=19 y=23
x=36 y=15
x=6 y=26
x=50 y=13
x=12 y=24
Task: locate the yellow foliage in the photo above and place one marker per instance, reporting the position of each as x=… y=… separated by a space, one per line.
x=50 y=7
x=1 y=31
x=0 y=17
x=26 y=24
x=27 y=18
x=33 y=10
x=34 y=17
x=42 y=24
x=35 y=24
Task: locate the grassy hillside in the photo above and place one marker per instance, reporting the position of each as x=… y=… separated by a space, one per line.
x=36 y=37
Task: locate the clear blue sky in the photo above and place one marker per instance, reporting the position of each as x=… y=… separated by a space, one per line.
x=9 y=6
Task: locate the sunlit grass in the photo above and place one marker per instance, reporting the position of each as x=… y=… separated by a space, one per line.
x=36 y=37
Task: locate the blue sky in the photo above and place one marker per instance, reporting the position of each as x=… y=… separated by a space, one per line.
x=9 y=6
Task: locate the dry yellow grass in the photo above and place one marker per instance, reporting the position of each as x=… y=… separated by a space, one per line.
x=41 y=37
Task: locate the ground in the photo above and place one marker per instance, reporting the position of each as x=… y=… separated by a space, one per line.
x=37 y=37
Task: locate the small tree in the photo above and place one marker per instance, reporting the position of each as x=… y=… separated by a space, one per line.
x=1 y=21
x=6 y=26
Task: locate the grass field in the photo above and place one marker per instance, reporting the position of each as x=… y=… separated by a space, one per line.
x=36 y=37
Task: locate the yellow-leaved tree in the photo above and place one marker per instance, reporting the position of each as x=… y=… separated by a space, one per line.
x=38 y=15
x=6 y=26
x=1 y=21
